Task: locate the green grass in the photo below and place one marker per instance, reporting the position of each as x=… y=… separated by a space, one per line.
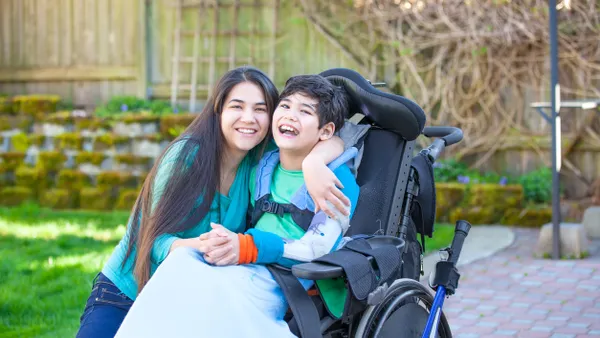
x=48 y=260
x=442 y=237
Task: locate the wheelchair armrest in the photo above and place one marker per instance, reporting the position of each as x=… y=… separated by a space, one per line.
x=318 y=271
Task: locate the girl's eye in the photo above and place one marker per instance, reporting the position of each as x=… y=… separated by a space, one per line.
x=236 y=107
x=261 y=110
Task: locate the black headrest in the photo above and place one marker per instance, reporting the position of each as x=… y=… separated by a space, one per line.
x=388 y=111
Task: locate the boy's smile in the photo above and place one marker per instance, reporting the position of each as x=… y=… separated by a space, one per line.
x=296 y=123
x=296 y=126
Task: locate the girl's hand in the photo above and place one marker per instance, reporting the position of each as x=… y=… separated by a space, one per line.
x=323 y=186
x=227 y=254
x=202 y=245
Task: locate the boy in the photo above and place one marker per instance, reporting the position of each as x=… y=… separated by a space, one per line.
x=243 y=297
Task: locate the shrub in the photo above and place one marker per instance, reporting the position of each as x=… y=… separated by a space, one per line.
x=13 y=196
x=537 y=185
x=58 y=199
x=72 y=179
x=95 y=199
x=12 y=160
x=51 y=161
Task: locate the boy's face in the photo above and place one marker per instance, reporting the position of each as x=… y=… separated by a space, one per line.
x=296 y=124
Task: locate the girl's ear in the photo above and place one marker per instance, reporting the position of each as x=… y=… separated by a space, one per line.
x=327 y=131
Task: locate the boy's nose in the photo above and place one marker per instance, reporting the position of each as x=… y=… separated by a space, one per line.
x=291 y=116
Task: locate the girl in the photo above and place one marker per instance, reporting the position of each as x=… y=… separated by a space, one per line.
x=201 y=178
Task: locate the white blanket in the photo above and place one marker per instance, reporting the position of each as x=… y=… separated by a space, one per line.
x=187 y=297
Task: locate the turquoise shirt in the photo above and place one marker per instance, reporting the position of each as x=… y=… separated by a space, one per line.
x=230 y=211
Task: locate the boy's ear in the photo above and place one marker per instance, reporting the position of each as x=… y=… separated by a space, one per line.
x=327 y=131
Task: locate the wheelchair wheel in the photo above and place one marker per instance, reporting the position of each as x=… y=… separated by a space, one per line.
x=411 y=265
x=403 y=313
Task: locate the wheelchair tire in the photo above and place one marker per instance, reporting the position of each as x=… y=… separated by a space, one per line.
x=405 y=309
x=411 y=266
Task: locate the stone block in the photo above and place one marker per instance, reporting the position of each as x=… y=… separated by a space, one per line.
x=591 y=222
x=573 y=241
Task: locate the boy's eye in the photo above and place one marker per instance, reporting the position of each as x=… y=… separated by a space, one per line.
x=283 y=105
x=306 y=112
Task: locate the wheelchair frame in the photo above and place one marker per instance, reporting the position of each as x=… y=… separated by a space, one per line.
x=446 y=274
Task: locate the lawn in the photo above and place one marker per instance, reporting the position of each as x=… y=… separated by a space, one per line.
x=49 y=259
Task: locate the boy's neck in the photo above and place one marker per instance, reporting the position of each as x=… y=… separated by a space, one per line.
x=291 y=161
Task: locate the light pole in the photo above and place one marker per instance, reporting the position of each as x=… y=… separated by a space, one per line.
x=554 y=120
x=556 y=150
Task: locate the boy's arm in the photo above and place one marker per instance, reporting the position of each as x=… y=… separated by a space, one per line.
x=322 y=184
x=322 y=237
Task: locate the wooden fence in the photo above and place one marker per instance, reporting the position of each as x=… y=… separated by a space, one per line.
x=89 y=50
x=83 y=50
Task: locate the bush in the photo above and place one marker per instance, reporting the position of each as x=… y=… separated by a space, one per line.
x=20 y=142
x=120 y=105
x=51 y=161
x=475 y=215
x=6 y=105
x=13 y=196
x=71 y=141
x=32 y=178
x=448 y=196
x=529 y=217
x=172 y=126
x=95 y=158
x=126 y=199
x=58 y=199
x=496 y=195
x=537 y=185
x=72 y=179
x=35 y=105
x=12 y=160
x=95 y=199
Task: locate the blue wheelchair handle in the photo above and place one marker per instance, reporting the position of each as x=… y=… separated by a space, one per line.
x=461 y=231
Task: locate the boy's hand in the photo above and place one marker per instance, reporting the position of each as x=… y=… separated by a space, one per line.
x=323 y=186
x=227 y=254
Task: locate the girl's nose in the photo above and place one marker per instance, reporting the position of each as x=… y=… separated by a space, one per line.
x=248 y=115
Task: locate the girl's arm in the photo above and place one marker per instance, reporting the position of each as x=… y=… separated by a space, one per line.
x=321 y=183
x=166 y=243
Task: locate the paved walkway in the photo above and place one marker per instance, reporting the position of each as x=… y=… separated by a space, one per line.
x=511 y=294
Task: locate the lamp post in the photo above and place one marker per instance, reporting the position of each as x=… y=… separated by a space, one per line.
x=556 y=137
x=554 y=120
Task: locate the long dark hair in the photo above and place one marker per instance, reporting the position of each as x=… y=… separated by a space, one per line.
x=172 y=213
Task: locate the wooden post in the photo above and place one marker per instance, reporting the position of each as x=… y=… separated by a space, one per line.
x=213 y=48
x=234 y=34
x=273 y=40
x=176 y=48
x=196 y=51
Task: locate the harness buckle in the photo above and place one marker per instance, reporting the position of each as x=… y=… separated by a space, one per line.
x=272 y=208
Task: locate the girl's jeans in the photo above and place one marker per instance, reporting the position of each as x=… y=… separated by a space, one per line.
x=104 y=311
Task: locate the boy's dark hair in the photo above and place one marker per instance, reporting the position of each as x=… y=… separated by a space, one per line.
x=333 y=101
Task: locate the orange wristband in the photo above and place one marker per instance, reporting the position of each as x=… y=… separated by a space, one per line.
x=248 y=250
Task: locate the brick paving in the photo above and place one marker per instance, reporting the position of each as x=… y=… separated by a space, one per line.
x=512 y=294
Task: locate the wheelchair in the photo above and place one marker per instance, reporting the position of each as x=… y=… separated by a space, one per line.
x=396 y=205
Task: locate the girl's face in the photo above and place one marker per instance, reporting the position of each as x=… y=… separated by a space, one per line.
x=244 y=119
